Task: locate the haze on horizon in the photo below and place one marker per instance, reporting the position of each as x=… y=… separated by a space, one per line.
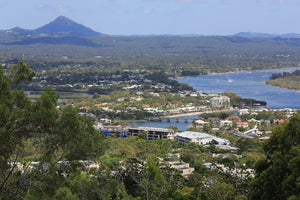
x=127 y=17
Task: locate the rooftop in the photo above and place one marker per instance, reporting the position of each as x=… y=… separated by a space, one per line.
x=191 y=134
x=151 y=129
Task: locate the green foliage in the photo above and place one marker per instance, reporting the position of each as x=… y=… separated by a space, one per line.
x=109 y=162
x=221 y=115
x=237 y=101
x=98 y=186
x=64 y=193
x=247 y=144
x=175 y=128
x=55 y=135
x=143 y=135
x=22 y=73
x=270 y=115
x=224 y=191
x=278 y=174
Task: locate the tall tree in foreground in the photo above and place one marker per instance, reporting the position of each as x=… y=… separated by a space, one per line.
x=55 y=136
x=278 y=176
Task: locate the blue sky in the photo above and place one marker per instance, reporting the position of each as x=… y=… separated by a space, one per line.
x=125 y=17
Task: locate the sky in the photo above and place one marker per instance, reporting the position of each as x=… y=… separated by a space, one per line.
x=136 y=17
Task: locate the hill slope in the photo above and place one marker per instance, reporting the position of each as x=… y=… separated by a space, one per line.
x=63 y=26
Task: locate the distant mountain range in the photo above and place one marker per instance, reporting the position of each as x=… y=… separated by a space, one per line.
x=266 y=35
x=66 y=37
x=64 y=27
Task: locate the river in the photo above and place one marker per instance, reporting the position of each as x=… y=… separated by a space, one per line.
x=181 y=124
x=248 y=84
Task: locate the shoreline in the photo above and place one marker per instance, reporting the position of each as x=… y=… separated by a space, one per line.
x=298 y=90
x=230 y=72
x=186 y=114
x=198 y=113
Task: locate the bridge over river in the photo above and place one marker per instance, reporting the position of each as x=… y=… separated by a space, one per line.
x=168 y=119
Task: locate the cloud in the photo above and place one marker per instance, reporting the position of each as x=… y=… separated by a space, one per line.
x=61 y=8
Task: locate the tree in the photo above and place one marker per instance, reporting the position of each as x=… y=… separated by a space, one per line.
x=143 y=135
x=21 y=72
x=14 y=111
x=278 y=175
x=144 y=180
x=57 y=136
x=64 y=193
x=224 y=191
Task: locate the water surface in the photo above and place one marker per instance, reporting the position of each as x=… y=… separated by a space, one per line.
x=181 y=124
x=248 y=85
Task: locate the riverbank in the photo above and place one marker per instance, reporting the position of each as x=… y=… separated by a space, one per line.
x=290 y=82
x=198 y=113
x=277 y=86
x=232 y=72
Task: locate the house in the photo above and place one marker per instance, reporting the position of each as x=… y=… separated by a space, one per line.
x=200 y=122
x=194 y=94
x=183 y=167
x=252 y=120
x=253 y=132
x=91 y=115
x=243 y=111
x=105 y=121
x=278 y=121
x=225 y=123
x=242 y=124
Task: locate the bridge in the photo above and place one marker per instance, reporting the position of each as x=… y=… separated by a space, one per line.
x=169 y=119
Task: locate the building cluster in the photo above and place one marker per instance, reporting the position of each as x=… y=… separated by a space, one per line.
x=152 y=133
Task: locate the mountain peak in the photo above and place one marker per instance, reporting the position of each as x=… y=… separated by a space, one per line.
x=63 y=19
x=63 y=26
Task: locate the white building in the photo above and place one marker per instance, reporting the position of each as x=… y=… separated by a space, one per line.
x=221 y=102
x=152 y=133
x=253 y=132
x=184 y=168
x=199 y=138
x=225 y=123
x=243 y=112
